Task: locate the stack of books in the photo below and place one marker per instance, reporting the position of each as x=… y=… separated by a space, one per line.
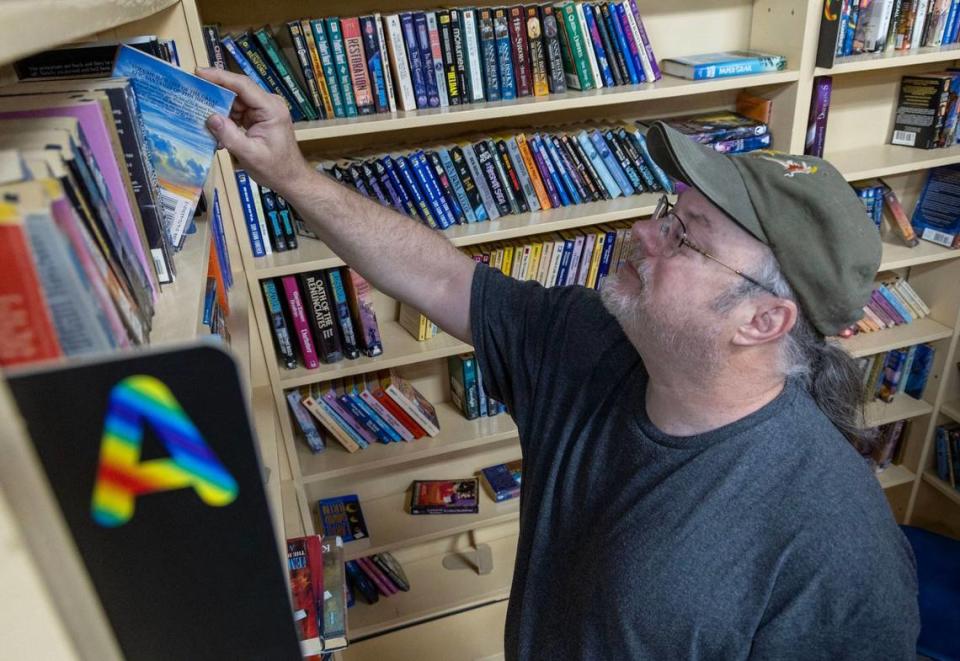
x=359 y=411
x=887 y=25
x=321 y=316
x=727 y=132
x=467 y=391
x=891 y=443
x=903 y=370
x=363 y=65
x=892 y=303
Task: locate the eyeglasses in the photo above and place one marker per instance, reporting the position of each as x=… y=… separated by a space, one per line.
x=673 y=235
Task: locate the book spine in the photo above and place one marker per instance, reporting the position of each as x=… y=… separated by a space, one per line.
x=529 y=164
x=572 y=170
x=357 y=62
x=260 y=215
x=478 y=173
x=386 y=415
x=623 y=15
x=248 y=46
x=339 y=411
x=250 y=214
x=459 y=53
x=310 y=432
x=556 y=77
x=609 y=183
x=457 y=366
x=588 y=49
x=577 y=45
x=211 y=40
x=551 y=178
x=322 y=43
x=631 y=148
x=591 y=173
x=621 y=157
x=269 y=202
x=538 y=58
x=605 y=258
x=388 y=83
x=341 y=307
x=487 y=160
x=501 y=33
x=446 y=186
x=426 y=58
x=298 y=319
x=331 y=420
x=361 y=418
x=520 y=167
x=339 y=54
x=326 y=102
x=562 y=168
x=430 y=190
x=456 y=183
x=305 y=62
x=451 y=83
x=405 y=169
x=651 y=71
x=471 y=45
x=415 y=59
x=400 y=64
x=508 y=174
x=600 y=52
x=320 y=315
x=407 y=204
x=374 y=59
x=425 y=423
x=520 y=52
x=619 y=74
x=278 y=324
x=468 y=179
x=617 y=33
x=360 y=298
x=436 y=56
x=488 y=49
x=817 y=122
x=280 y=65
x=243 y=63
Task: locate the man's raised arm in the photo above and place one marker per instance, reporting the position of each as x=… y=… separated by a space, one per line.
x=398 y=255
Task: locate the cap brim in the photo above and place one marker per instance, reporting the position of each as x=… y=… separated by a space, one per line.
x=707 y=170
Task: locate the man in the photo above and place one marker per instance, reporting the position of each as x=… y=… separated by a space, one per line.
x=685 y=494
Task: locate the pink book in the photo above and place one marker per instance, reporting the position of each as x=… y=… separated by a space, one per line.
x=299 y=319
x=90 y=115
x=384 y=584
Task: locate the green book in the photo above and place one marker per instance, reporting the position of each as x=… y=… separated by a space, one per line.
x=343 y=68
x=577 y=48
x=285 y=71
x=249 y=45
x=329 y=70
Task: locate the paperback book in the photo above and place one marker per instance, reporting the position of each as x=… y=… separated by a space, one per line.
x=445 y=496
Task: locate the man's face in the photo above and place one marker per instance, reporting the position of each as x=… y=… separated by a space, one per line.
x=665 y=303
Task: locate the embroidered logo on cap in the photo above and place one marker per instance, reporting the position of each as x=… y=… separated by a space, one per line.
x=791 y=166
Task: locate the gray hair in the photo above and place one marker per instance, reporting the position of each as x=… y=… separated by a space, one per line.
x=823 y=369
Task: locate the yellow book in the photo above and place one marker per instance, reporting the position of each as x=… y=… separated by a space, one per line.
x=546 y=256
x=415 y=323
x=520 y=267
x=507 y=263
x=595 y=259
x=536 y=249
x=496 y=257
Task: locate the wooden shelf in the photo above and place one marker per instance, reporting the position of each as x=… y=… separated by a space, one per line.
x=399 y=348
x=312 y=254
x=917 y=332
x=179 y=309
x=666 y=88
x=886 y=160
x=903 y=407
x=894 y=476
x=898 y=256
x=951 y=409
x=392 y=527
x=888 y=60
x=434 y=591
x=456 y=433
x=930 y=477
x=29 y=26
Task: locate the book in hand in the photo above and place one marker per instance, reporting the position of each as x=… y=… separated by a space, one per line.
x=342 y=516
x=503 y=480
x=174 y=106
x=723 y=64
x=445 y=496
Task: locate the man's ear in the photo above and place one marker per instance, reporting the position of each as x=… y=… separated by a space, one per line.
x=772 y=319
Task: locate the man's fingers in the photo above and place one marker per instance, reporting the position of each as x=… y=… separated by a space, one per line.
x=228 y=134
x=247 y=91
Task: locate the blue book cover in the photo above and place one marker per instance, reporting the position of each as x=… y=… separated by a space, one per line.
x=243 y=63
x=457 y=185
x=503 y=480
x=446 y=186
x=598 y=50
x=919 y=371
x=723 y=65
x=371 y=48
x=386 y=184
x=620 y=156
x=608 y=181
x=406 y=202
x=632 y=53
x=609 y=239
x=269 y=201
x=250 y=214
x=431 y=189
x=360 y=417
x=540 y=161
x=662 y=179
x=564 y=262
x=417 y=74
x=561 y=168
x=258 y=60
x=373 y=183
x=305 y=423
x=174 y=106
x=895 y=302
x=572 y=175
x=405 y=169
x=936 y=217
x=342 y=516
x=220 y=241
x=540 y=151
x=613 y=165
x=339 y=55
x=948 y=23
x=616 y=28
x=508 y=85
x=345 y=425
x=209 y=298
x=342 y=309
x=329 y=69
x=629 y=137
x=426 y=56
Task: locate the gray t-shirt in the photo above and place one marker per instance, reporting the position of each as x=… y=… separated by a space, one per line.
x=767 y=538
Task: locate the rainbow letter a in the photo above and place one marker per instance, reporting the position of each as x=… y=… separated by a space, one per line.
x=121 y=476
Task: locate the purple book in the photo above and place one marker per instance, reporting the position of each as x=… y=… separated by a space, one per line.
x=877 y=298
x=330 y=397
x=621 y=10
x=647 y=46
x=817 y=122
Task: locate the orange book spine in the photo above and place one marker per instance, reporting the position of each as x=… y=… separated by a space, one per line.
x=532 y=170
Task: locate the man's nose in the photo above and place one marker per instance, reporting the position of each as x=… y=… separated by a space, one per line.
x=645 y=235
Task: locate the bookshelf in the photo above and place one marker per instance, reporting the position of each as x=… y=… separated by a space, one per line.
x=865 y=93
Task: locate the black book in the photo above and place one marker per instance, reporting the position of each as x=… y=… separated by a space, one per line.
x=440 y=174
x=211 y=40
x=287 y=222
x=445 y=29
x=556 y=79
x=250 y=47
x=278 y=323
x=589 y=172
x=466 y=178
x=376 y=61
x=616 y=148
x=503 y=176
x=459 y=52
x=512 y=178
x=93 y=60
x=341 y=306
x=488 y=160
x=571 y=169
x=488 y=51
x=375 y=184
x=617 y=66
x=270 y=209
x=319 y=308
x=635 y=154
x=830 y=28
x=921 y=109
x=309 y=77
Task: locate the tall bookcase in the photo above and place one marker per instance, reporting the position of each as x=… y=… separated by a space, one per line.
x=460 y=566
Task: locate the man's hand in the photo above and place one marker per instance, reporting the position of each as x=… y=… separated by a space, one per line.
x=268 y=150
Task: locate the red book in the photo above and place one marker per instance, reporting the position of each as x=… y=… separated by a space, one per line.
x=376 y=389
x=26 y=328
x=305 y=567
x=357 y=61
x=522 y=70
x=299 y=320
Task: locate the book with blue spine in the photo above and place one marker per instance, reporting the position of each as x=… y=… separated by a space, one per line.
x=362 y=412
x=533 y=202
x=469 y=157
x=272 y=213
x=723 y=64
x=250 y=48
x=339 y=56
x=606 y=256
x=615 y=27
x=322 y=43
x=415 y=59
x=541 y=162
x=601 y=53
x=243 y=63
x=936 y=217
x=409 y=179
x=407 y=203
x=446 y=186
x=601 y=168
x=542 y=156
x=488 y=50
x=422 y=45
x=278 y=324
x=392 y=194
x=564 y=262
x=561 y=169
x=613 y=165
x=503 y=480
x=435 y=198
x=454 y=178
x=501 y=35
x=620 y=14
x=250 y=214
x=356 y=416
x=658 y=173
x=305 y=423
x=331 y=407
x=375 y=183
x=220 y=240
x=919 y=371
x=342 y=516
x=353 y=387
x=342 y=310
x=371 y=49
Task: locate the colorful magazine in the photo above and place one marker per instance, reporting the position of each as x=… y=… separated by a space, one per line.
x=341 y=516
x=174 y=106
x=445 y=496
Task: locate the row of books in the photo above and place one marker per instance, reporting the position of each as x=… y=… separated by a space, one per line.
x=904 y=370
x=358 y=411
x=947 y=444
x=893 y=302
x=928 y=107
x=726 y=132
x=885 y=25
x=318 y=591
x=467 y=391
x=329 y=313
x=216 y=301
x=375 y=576
x=345 y=67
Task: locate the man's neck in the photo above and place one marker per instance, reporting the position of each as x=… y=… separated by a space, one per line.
x=684 y=404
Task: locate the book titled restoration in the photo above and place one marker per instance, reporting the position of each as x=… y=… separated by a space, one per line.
x=175 y=105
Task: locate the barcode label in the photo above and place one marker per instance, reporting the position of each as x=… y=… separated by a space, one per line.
x=160 y=264
x=177 y=211
x=942 y=238
x=908 y=138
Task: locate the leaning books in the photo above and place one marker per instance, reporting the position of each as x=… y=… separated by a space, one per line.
x=445 y=496
x=175 y=105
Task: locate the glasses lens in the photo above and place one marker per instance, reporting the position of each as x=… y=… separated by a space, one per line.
x=669 y=234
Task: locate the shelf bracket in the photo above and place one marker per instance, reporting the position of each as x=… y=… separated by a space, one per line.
x=479 y=559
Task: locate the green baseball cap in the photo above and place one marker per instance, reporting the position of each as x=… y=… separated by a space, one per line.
x=800 y=206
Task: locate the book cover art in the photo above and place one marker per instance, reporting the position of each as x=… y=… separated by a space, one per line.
x=936 y=217
x=334 y=595
x=302 y=416
x=712 y=127
x=445 y=496
x=723 y=64
x=342 y=516
x=174 y=106
x=503 y=480
x=411 y=401
x=305 y=569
